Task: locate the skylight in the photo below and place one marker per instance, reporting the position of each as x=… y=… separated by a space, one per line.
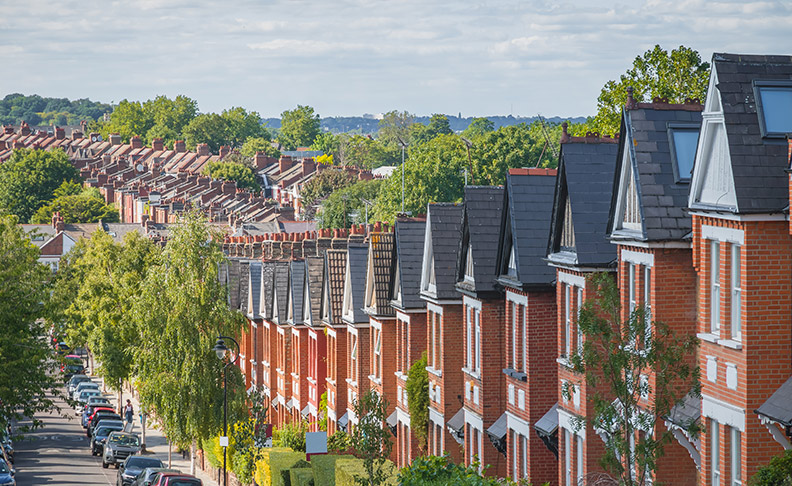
x=684 y=139
x=774 y=102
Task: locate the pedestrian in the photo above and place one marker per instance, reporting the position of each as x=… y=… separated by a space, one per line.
x=129 y=413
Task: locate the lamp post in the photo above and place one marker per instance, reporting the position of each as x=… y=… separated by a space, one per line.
x=221 y=349
x=403 y=145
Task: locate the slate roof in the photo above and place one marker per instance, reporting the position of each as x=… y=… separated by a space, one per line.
x=585 y=174
x=410 y=236
x=314 y=267
x=230 y=275
x=778 y=407
x=335 y=271
x=527 y=210
x=445 y=224
x=757 y=165
x=281 y=286
x=296 y=289
x=663 y=201
x=254 y=302
x=244 y=284
x=481 y=232
x=383 y=261
x=686 y=412
x=357 y=259
x=267 y=284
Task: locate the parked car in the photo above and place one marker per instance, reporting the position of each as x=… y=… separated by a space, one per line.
x=98 y=401
x=100 y=434
x=145 y=477
x=100 y=415
x=171 y=479
x=118 y=447
x=72 y=365
x=133 y=467
x=74 y=381
x=8 y=445
x=6 y=474
x=90 y=410
x=83 y=386
x=107 y=421
x=83 y=398
x=62 y=348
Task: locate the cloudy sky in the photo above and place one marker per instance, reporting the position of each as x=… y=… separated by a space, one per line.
x=349 y=57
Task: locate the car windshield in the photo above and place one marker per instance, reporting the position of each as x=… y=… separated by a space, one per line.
x=127 y=440
x=184 y=482
x=143 y=462
x=103 y=431
x=3 y=467
x=90 y=393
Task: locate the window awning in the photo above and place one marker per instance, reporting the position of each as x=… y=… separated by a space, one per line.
x=498 y=429
x=305 y=411
x=290 y=404
x=456 y=426
x=392 y=420
x=778 y=408
x=548 y=424
x=343 y=421
x=276 y=401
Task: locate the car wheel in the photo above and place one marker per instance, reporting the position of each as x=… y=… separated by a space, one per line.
x=104 y=464
x=116 y=465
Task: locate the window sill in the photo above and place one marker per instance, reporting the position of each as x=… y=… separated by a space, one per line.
x=330 y=381
x=400 y=375
x=471 y=373
x=351 y=382
x=517 y=375
x=564 y=361
x=375 y=380
x=436 y=372
x=730 y=343
x=708 y=336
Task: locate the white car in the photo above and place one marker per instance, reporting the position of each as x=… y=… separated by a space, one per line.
x=82 y=386
x=83 y=398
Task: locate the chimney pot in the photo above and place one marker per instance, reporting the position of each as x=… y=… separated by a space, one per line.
x=179 y=146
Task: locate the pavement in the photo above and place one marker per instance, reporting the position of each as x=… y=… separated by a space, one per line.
x=58 y=453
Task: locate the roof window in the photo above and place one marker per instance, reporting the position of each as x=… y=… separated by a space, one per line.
x=774 y=105
x=683 y=139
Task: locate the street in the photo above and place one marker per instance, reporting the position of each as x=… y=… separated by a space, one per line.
x=58 y=454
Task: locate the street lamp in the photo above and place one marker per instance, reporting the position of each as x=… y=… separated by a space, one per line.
x=403 y=145
x=221 y=350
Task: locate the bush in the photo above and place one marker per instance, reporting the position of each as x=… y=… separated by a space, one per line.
x=263 y=474
x=324 y=468
x=778 y=472
x=292 y=435
x=279 y=461
x=440 y=471
x=302 y=476
x=338 y=442
x=349 y=470
x=418 y=401
x=209 y=448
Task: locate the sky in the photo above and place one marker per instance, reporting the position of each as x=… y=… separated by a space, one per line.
x=350 y=57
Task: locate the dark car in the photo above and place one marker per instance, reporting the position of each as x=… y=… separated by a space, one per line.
x=99 y=437
x=101 y=415
x=72 y=365
x=6 y=474
x=133 y=467
x=75 y=380
x=118 y=447
x=171 y=479
x=144 y=479
x=90 y=410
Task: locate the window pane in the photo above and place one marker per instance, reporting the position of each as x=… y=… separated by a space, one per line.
x=685 y=142
x=777 y=109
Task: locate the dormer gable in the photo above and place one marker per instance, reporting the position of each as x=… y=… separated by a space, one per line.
x=254 y=290
x=379 y=274
x=477 y=264
x=306 y=304
x=428 y=275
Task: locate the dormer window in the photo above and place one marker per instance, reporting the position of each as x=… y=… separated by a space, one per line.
x=512 y=270
x=684 y=140
x=469 y=264
x=774 y=107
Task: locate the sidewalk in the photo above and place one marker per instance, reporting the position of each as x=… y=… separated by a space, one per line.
x=156 y=443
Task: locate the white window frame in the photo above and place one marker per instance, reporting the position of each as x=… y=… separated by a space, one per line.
x=469 y=326
x=736 y=457
x=524 y=455
x=631 y=294
x=567 y=320
x=377 y=351
x=515 y=457
x=579 y=305
x=648 y=302
x=579 y=462
x=567 y=458
x=515 y=361
x=715 y=473
x=477 y=315
x=736 y=292
x=715 y=287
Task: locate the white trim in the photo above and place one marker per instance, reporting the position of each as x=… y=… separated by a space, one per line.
x=719 y=233
x=436 y=417
x=617 y=239
x=712 y=368
x=518 y=299
x=567 y=421
x=778 y=436
x=731 y=376
x=474 y=420
x=331 y=331
x=637 y=257
x=742 y=217
x=432 y=307
x=471 y=302
x=402 y=416
x=403 y=317
x=730 y=343
x=724 y=413
x=517 y=424
x=571 y=279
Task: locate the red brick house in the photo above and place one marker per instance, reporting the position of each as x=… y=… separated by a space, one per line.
x=358 y=338
x=483 y=316
x=299 y=341
x=742 y=252
x=410 y=327
x=332 y=305
x=652 y=230
x=280 y=345
x=445 y=356
x=579 y=247
x=529 y=327
x=316 y=373
x=249 y=341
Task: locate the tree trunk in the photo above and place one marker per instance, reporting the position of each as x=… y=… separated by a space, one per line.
x=170 y=454
x=192 y=458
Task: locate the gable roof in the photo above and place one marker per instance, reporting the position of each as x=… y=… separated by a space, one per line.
x=409 y=234
x=645 y=145
x=355 y=281
x=314 y=268
x=380 y=272
x=333 y=285
x=757 y=164
x=281 y=291
x=296 y=289
x=253 y=307
x=267 y=284
x=527 y=208
x=442 y=242
x=585 y=182
x=480 y=234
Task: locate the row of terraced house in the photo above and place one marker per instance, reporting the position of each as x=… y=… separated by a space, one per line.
x=687 y=210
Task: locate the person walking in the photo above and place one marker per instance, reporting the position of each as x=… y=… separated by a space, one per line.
x=129 y=414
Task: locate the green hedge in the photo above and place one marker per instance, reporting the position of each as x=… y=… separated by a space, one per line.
x=324 y=468
x=278 y=461
x=301 y=476
x=348 y=469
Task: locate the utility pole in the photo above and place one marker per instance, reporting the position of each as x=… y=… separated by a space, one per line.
x=403 y=144
x=468 y=144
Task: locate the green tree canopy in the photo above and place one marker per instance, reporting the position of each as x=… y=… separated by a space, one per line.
x=28 y=380
x=336 y=210
x=394 y=128
x=37 y=110
x=438 y=125
x=322 y=185
x=299 y=127
x=364 y=152
x=675 y=75
x=29 y=178
x=259 y=144
x=234 y=171
x=479 y=127
x=232 y=127
x=81 y=206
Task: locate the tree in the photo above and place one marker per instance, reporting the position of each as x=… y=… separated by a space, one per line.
x=326 y=142
x=321 y=186
x=440 y=471
x=371 y=438
x=438 y=125
x=394 y=128
x=36 y=110
x=675 y=75
x=83 y=206
x=337 y=208
x=299 y=127
x=495 y=152
x=479 y=127
x=258 y=144
x=128 y=119
x=208 y=128
x=362 y=151
x=614 y=356
x=248 y=437
x=169 y=117
x=28 y=378
x=242 y=125
x=181 y=309
x=234 y=171
x=28 y=180
x=418 y=401
x=778 y=472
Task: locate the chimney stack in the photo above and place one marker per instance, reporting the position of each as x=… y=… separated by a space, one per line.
x=202 y=149
x=60 y=133
x=24 y=129
x=228 y=187
x=224 y=151
x=76 y=135
x=260 y=160
x=308 y=166
x=284 y=164
x=136 y=142
x=179 y=146
x=158 y=145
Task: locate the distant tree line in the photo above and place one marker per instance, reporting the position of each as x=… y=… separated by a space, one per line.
x=37 y=110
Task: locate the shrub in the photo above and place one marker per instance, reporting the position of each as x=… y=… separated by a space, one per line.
x=292 y=435
x=302 y=477
x=279 y=461
x=778 y=472
x=324 y=469
x=418 y=401
x=263 y=474
x=338 y=442
x=349 y=472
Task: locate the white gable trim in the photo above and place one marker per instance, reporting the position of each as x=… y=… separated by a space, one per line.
x=516 y=298
x=626 y=181
x=307 y=310
x=371 y=292
x=723 y=412
x=431 y=307
x=571 y=279
x=427 y=262
x=517 y=424
x=349 y=310
x=638 y=257
x=719 y=233
x=262 y=295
